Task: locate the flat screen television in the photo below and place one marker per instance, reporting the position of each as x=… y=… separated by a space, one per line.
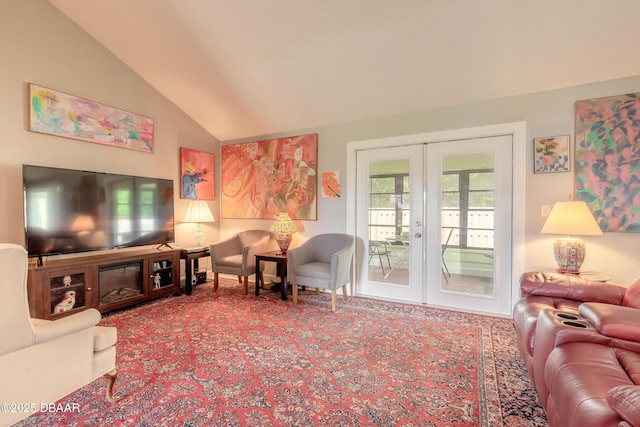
x=67 y=211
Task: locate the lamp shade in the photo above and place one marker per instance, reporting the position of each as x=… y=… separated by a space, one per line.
x=571 y=219
x=198 y=211
x=283 y=224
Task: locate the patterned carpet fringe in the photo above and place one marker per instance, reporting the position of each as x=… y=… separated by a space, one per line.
x=228 y=359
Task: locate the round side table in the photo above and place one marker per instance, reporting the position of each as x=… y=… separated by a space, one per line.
x=594 y=276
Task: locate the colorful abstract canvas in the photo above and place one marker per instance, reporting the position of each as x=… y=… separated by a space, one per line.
x=608 y=160
x=59 y=114
x=264 y=178
x=196 y=175
x=551 y=154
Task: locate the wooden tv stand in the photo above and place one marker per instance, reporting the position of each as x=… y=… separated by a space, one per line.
x=106 y=282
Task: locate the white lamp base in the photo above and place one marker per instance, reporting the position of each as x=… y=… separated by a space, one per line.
x=569 y=253
x=199 y=235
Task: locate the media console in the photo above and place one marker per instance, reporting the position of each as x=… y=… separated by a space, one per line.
x=103 y=281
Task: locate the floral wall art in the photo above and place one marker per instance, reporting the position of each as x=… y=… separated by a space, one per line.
x=331 y=185
x=608 y=160
x=261 y=179
x=59 y=114
x=551 y=154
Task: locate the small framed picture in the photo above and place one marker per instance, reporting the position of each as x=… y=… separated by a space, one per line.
x=331 y=185
x=551 y=154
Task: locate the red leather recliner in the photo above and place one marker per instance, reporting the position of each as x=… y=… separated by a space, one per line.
x=581 y=344
x=542 y=291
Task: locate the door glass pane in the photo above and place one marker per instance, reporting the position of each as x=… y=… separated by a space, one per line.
x=468 y=205
x=389 y=221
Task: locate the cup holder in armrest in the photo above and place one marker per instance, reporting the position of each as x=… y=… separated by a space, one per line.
x=567 y=316
x=574 y=324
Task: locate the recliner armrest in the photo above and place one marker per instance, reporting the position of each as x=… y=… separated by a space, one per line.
x=613 y=320
x=67 y=325
x=625 y=400
x=572 y=287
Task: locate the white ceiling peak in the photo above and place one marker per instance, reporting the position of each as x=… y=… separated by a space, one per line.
x=247 y=68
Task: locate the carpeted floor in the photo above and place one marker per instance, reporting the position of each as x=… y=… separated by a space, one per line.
x=234 y=360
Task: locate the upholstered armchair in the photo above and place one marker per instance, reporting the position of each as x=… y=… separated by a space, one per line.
x=322 y=262
x=237 y=255
x=42 y=361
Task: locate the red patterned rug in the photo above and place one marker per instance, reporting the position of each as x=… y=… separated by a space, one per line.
x=235 y=360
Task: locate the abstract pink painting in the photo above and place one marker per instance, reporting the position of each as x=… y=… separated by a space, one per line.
x=59 y=114
x=264 y=178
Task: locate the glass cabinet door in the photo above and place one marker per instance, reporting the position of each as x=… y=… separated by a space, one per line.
x=67 y=291
x=161 y=273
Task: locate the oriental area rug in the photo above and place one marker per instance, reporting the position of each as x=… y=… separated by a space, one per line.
x=228 y=359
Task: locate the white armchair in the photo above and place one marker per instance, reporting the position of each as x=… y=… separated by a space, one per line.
x=42 y=361
x=237 y=255
x=323 y=261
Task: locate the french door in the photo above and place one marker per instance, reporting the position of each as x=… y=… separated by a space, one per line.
x=390 y=204
x=435 y=222
x=469 y=209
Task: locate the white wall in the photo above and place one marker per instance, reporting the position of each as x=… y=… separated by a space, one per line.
x=40 y=45
x=546 y=114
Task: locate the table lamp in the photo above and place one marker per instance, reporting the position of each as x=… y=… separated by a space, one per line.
x=571 y=219
x=198 y=212
x=283 y=227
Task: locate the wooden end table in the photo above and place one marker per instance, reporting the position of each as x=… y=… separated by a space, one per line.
x=594 y=276
x=190 y=255
x=281 y=263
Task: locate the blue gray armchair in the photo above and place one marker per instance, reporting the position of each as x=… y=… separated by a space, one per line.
x=322 y=262
x=237 y=255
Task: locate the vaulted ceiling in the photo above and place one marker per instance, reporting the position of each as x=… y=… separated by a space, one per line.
x=245 y=68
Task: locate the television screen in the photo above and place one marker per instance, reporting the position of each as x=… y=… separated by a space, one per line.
x=74 y=211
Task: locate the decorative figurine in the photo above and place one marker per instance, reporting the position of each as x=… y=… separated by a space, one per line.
x=66 y=281
x=156 y=281
x=67 y=302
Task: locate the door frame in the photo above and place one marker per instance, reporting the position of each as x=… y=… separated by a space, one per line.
x=518 y=131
